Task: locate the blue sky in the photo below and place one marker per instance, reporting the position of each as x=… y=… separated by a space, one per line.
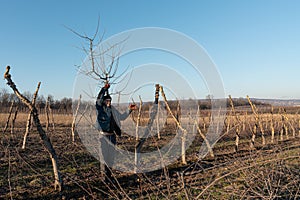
x=254 y=44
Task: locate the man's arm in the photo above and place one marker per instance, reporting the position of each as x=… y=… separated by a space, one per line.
x=101 y=94
x=124 y=115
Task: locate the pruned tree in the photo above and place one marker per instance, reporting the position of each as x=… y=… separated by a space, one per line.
x=238 y=126
x=28 y=123
x=257 y=124
x=138 y=119
x=13 y=121
x=184 y=131
x=104 y=61
x=272 y=125
x=288 y=121
x=140 y=141
x=202 y=135
x=47 y=114
x=74 y=119
x=58 y=183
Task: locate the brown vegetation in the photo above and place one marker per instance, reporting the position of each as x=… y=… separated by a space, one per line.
x=271 y=171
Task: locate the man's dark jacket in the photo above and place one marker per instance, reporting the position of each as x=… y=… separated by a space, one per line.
x=108 y=118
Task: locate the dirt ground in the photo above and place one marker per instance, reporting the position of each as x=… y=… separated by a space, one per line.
x=271 y=171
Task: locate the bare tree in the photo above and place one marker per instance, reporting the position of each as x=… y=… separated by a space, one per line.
x=28 y=123
x=141 y=141
x=184 y=132
x=46 y=141
x=237 y=127
x=287 y=120
x=104 y=61
x=74 y=119
x=47 y=114
x=272 y=125
x=257 y=125
x=14 y=120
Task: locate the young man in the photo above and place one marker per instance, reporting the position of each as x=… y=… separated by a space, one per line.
x=108 y=120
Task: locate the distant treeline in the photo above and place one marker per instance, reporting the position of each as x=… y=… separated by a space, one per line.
x=205 y=104
x=64 y=105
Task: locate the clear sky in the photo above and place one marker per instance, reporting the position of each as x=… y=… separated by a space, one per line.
x=255 y=44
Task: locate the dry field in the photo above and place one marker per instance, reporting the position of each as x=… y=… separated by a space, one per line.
x=270 y=171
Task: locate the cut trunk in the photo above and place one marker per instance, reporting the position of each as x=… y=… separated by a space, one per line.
x=46 y=141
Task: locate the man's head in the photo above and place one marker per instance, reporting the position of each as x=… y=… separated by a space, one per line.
x=107 y=100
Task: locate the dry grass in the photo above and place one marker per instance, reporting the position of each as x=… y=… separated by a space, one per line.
x=59 y=119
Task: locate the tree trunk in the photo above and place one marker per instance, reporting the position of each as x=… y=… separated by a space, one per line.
x=157 y=121
x=46 y=141
x=136 y=155
x=47 y=115
x=8 y=118
x=28 y=123
x=253 y=136
x=141 y=141
x=205 y=140
x=14 y=120
x=237 y=138
x=238 y=121
x=272 y=131
x=184 y=132
x=74 y=119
